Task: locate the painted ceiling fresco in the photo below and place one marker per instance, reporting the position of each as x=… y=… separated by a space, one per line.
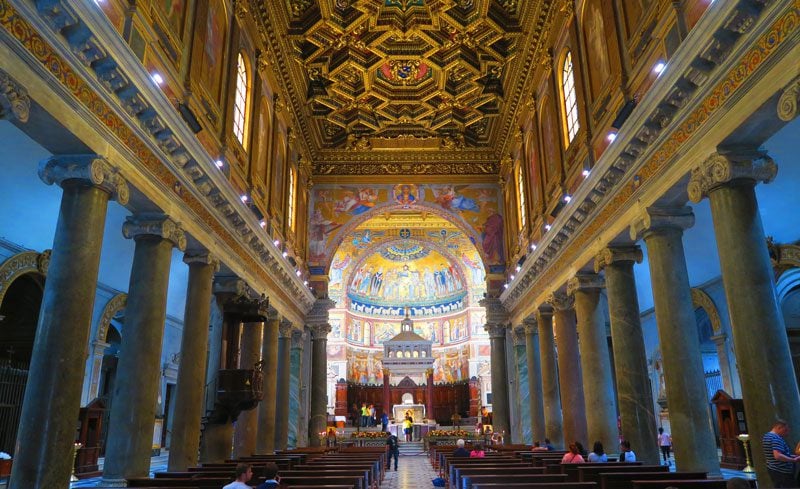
x=350 y=222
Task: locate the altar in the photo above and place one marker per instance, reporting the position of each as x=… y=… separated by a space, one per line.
x=399 y=411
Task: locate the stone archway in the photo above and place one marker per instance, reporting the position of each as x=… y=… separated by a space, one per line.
x=21 y=264
x=99 y=345
x=730 y=381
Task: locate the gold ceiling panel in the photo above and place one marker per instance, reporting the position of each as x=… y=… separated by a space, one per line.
x=428 y=81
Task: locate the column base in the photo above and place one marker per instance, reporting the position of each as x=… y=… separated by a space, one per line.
x=111 y=483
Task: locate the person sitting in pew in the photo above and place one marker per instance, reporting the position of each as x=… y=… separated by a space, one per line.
x=625 y=452
x=573 y=456
x=598 y=455
x=244 y=472
x=460 y=451
x=547 y=447
x=271 y=473
x=477 y=451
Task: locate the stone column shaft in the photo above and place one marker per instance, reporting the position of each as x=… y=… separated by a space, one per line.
x=130 y=432
x=551 y=395
x=534 y=380
x=246 y=426
x=500 y=408
x=630 y=358
x=695 y=447
x=387 y=393
x=282 y=390
x=265 y=442
x=43 y=455
x=769 y=385
x=191 y=370
x=429 y=394
x=598 y=383
x=319 y=380
x=520 y=418
x=296 y=362
x=570 y=376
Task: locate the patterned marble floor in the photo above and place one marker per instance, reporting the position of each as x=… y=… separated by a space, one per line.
x=414 y=472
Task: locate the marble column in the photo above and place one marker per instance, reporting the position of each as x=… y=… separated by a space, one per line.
x=570 y=376
x=522 y=394
x=598 y=382
x=535 y=394
x=630 y=357
x=387 y=393
x=53 y=392
x=429 y=394
x=191 y=370
x=130 y=430
x=265 y=441
x=282 y=390
x=296 y=366
x=695 y=447
x=769 y=385
x=319 y=381
x=496 y=325
x=246 y=426
x=721 y=343
x=551 y=393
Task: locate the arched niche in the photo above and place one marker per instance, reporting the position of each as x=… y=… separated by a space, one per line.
x=702 y=299
x=20 y=264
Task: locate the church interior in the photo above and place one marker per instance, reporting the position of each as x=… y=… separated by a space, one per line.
x=227 y=226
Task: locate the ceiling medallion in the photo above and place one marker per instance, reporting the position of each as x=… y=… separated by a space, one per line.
x=404 y=72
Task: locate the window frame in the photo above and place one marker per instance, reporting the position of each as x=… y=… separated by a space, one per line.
x=522 y=214
x=241 y=100
x=570 y=115
x=292 y=199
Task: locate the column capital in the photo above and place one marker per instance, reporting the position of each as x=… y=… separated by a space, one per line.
x=788 y=102
x=428 y=371
x=319 y=331
x=496 y=331
x=655 y=219
x=272 y=314
x=158 y=225
x=319 y=311
x=519 y=335
x=585 y=281
x=90 y=169
x=531 y=325
x=617 y=254
x=285 y=328
x=201 y=258
x=496 y=313
x=297 y=339
x=561 y=301
x=719 y=339
x=545 y=310
x=237 y=297
x=14 y=99
x=722 y=168
x=386 y=372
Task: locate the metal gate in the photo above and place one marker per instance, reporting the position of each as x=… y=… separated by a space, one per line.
x=13 y=377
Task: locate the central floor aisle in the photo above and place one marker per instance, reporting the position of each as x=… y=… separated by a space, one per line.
x=414 y=472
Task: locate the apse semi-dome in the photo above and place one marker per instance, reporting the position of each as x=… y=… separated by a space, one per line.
x=407 y=274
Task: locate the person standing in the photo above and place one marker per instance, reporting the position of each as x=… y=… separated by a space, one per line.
x=372 y=420
x=394 y=451
x=780 y=461
x=384 y=422
x=364 y=414
x=665 y=442
x=407 y=427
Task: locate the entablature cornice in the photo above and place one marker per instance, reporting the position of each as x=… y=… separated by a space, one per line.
x=703 y=80
x=149 y=134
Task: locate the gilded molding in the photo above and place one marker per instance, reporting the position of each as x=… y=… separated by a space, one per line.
x=411 y=168
x=617 y=254
x=585 y=281
x=154 y=225
x=112 y=307
x=720 y=169
x=21 y=264
x=787 y=103
x=91 y=169
x=656 y=219
x=561 y=301
x=701 y=299
x=14 y=99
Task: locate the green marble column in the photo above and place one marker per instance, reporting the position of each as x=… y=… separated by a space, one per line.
x=43 y=456
x=769 y=385
x=496 y=325
x=246 y=426
x=319 y=382
x=265 y=442
x=534 y=379
x=130 y=430
x=522 y=395
x=282 y=390
x=551 y=393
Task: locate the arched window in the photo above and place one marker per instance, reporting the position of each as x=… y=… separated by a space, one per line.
x=292 y=207
x=521 y=215
x=241 y=110
x=569 y=98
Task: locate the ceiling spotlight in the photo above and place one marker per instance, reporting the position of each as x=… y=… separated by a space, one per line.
x=285 y=254
x=547 y=227
x=298 y=273
x=518 y=268
x=276 y=242
x=219 y=163
x=244 y=198
x=263 y=224
x=533 y=246
x=611 y=136
x=659 y=67
x=157 y=78
x=567 y=198
x=585 y=173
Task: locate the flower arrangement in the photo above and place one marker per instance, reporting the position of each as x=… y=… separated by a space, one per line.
x=369 y=434
x=450 y=433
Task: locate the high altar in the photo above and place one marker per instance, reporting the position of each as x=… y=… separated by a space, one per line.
x=399 y=411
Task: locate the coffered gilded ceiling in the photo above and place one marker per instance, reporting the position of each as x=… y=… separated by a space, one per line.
x=431 y=83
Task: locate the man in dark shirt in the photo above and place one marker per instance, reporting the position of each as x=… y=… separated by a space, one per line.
x=780 y=461
x=460 y=451
x=394 y=451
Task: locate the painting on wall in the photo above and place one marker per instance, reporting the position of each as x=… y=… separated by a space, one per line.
x=364 y=366
x=357 y=330
x=598 y=46
x=385 y=331
x=549 y=134
x=174 y=12
x=451 y=365
x=212 y=34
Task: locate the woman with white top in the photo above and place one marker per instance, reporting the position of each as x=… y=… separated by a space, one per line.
x=665 y=442
x=598 y=455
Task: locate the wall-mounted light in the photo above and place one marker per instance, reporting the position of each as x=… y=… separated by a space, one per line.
x=285 y=254
x=244 y=198
x=585 y=173
x=263 y=224
x=547 y=227
x=518 y=268
x=567 y=198
x=157 y=78
x=659 y=67
x=276 y=243
x=513 y=277
x=220 y=164
x=611 y=136
x=533 y=246
x=298 y=273
x=505 y=286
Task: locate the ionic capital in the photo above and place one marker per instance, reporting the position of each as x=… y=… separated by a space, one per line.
x=617 y=254
x=319 y=331
x=519 y=335
x=285 y=328
x=585 y=281
x=91 y=170
x=154 y=225
x=561 y=301
x=14 y=99
x=720 y=169
x=495 y=330
x=531 y=325
x=201 y=258
x=656 y=219
x=787 y=103
x=496 y=313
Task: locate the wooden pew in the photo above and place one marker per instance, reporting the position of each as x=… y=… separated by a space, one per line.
x=572 y=469
x=545 y=485
x=316 y=481
x=451 y=464
x=592 y=473
x=694 y=483
x=199 y=483
x=624 y=480
x=360 y=476
x=459 y=471
x=469 y=481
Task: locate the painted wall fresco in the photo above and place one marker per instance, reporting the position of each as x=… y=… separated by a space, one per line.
x=374 y=332
x=334 y=210
x=365 y=366
x=451 y=365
